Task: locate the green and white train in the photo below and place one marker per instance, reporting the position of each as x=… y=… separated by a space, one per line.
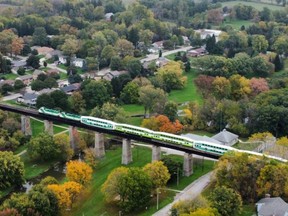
x=205 y=146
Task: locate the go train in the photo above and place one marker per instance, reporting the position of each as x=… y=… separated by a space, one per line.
x=205 y=146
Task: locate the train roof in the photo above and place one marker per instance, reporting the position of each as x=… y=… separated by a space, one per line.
x=136 y=127
x=99 y=119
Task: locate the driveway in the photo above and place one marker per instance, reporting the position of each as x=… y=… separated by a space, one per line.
x=190 y=192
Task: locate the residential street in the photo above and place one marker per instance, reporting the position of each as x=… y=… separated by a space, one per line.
x=190 y=192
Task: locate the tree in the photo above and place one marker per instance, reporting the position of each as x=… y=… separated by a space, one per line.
x=62 y=143
x=96 y=93
x=21 y=203
x=45 y=100
x=12 y=171
x=116 y=63
x=110 y=188
x=280 y=45
x=158 y=173
x=134 y=189
x=259 y=43
x=258 y=85
x=134 y=68
x=226 y=201
x=204 y=84
x=153 y=99
x=40 y=36
x=240 y=87
x=273 y=180
x=73 y=189
x=21 y=71
x=63 y=197
x=130 y=93
x=51 y=83
x=221 y=87
x=17 y=45
x=174 y=167
x=184 y=207
x=9 y=212
x=171 y=74
x=60 y=99
x=33 y=61
x=6 y=88
x=90 y=157
x=124 y=47
x=170 y=110
x=70 y=46
x=107 y=53
x=77 y=102
x=204 y=212
x=214 y=16
x=133 y=36
x=79 y=172
x=278 y=62
x=42 y=147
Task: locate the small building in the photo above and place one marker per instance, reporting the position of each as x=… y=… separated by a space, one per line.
x=274 y=206
x=160 y=62
x=78 y=62
x=26 y=79
x=63 y=59
x=9 y=82
x=204 y=33
x=28 y=99
x=158 y=45
x=53 y=71
x=112 y=74
x=201 y=138
x=186 y=40
x=226 y=138
x=108 y=16
x=42 y=50
x=197 y=52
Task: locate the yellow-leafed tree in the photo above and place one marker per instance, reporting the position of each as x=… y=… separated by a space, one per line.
x=73 y=189
x=158 y=173
x=79 y=172
x=62 y=195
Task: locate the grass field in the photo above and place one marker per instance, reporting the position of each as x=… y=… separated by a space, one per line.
x=10 y=76
x=256 y=5
x=246 y=146
x=92 y=203
x=237 y=24
x=38 y=127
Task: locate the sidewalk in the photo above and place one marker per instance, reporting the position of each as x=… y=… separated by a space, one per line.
x=190 y=192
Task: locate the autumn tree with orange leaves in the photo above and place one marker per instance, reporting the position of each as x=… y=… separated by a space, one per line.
x=79 y=172
x=163 y=124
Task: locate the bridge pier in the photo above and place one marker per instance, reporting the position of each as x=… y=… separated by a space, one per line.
x=26 y=125
x=73 y=135
x=156 y=153
x=99 y=145
x=188 y=164
x=49 y=127
x=126 y=151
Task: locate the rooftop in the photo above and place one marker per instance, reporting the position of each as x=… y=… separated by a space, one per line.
x=272 y=206
x=225 y=136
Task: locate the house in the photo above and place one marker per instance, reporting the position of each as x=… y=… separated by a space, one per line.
x=9 y=82
x=112 y=74
x=28 y=99
x=53 y=71
x=63 y=59
x=69 y=89
x=53 y=53
x=78 y=62
x=26 y=79
x=42 y=50
x=197 y=52
x=109 y=16
x=160 y=62
x=186 y=40
x=158 y=45
x=204 y=33
x=274 y=206
x=36 y=73
x=226 y=138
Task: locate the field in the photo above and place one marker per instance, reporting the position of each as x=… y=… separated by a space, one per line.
x=92 y=203
x=256 y=5
x=237 y=24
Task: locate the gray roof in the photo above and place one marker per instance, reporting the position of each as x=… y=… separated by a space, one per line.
x=200 y=138
x=69 y=88
x=29 y=96
x=272 y=206
x=225 y=136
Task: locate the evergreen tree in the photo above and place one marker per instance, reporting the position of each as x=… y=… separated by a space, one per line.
x=210 y=44
x=279 y=64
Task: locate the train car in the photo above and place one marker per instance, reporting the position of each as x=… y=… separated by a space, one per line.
x=144 y=132
x=212 y=147
x=70 y=116
x=98 y=122
x=172 y=138
x=48 y=111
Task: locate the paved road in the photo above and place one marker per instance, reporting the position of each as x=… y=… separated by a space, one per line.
x=190 y=192
x=151 y=57
x=11 y=97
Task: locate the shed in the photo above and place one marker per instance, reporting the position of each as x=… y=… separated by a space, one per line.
x=274 y=206
x=226 y=138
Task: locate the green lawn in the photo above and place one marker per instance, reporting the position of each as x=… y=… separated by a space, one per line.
x=256 y=5
x=133 y=109
x=236 y=24
x=10 y=76
x=188 y=93
x=32 y=168
x=93 y=202
x=246 y=146
x=38 y=127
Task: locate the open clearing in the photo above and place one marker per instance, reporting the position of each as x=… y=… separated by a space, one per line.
x=258 y=6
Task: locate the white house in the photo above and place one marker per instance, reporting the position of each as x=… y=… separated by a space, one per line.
x=78 y=62
x=204 y=33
